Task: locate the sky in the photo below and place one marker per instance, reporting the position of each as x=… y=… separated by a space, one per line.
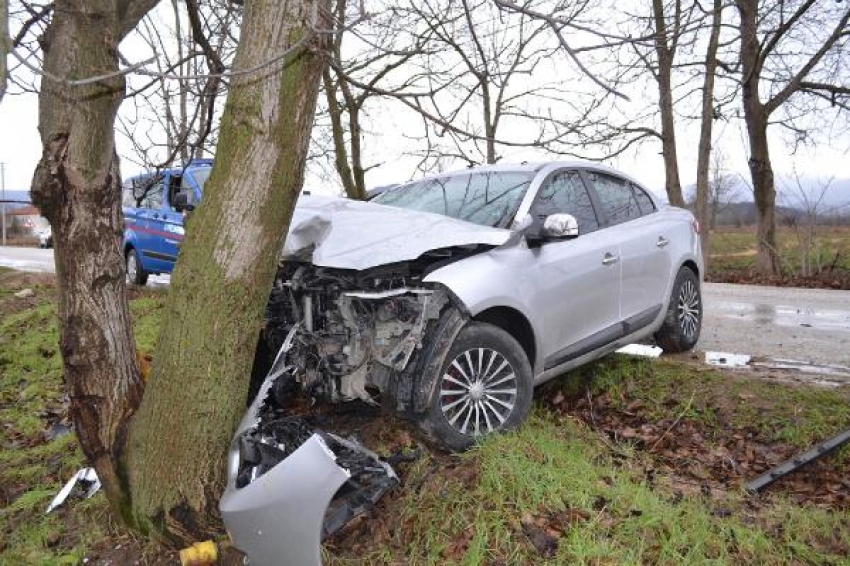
x=20 y=148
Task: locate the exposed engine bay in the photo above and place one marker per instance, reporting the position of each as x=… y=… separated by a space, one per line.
x=354 y=331
x=330 y=335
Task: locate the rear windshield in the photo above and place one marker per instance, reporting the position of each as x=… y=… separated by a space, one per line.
x=489 y=199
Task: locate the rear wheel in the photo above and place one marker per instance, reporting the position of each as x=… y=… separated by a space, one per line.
x=136 y=274
x=484 y=386
x=683 y=321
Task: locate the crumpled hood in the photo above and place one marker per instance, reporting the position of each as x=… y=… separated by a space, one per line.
x=349 y=234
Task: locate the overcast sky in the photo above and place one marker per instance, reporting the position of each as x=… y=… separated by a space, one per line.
x=20 y=148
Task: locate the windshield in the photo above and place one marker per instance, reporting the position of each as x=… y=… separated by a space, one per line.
x=489 y=199
x=201 y=176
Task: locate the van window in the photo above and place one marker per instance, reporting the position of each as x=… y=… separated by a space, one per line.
x=148 y=192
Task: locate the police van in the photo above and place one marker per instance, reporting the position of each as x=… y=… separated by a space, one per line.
x=155 y=205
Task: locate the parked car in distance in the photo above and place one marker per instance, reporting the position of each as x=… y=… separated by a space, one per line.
x=154 y=206
x=448 y=300
x=45 y=238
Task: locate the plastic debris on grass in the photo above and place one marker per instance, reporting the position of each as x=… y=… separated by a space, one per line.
x=85 y=480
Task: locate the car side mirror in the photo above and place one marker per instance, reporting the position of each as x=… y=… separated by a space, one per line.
x=181 y=203
x=559 y=226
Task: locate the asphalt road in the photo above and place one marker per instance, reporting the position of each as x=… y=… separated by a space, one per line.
x=809 y=325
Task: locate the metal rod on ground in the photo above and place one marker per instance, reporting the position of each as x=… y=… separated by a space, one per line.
x=798 y=461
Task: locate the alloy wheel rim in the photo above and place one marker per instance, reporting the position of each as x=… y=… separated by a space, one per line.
x=478 y=391
x=689 y=308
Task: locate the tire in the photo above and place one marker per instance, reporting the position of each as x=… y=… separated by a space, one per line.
x=463 y=406
x=683 y=320
x=136 y=274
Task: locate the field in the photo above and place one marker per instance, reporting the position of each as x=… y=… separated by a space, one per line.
x=816 y=258
x=627 y=461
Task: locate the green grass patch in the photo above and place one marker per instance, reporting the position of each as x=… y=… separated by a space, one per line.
x=32 y=398
x=555 y=476
x=597 y=506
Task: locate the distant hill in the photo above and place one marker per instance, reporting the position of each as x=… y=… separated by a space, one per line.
x=792 y=201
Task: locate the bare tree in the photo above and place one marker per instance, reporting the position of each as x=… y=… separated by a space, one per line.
x=170 y=119
x=77 y=187
x=168 y=489
x=706 y=216
x=386 y=46
x=202 y=364
x=722 y=190
x=4 y=44
x=814 y=252
x=788 y=49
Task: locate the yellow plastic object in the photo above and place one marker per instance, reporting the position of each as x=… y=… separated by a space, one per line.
x=199 y=554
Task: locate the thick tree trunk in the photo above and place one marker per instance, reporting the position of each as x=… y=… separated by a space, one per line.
x=665 y=103
x=756 y=118
x=77 y=186
x=703 y=208
x=178 y=441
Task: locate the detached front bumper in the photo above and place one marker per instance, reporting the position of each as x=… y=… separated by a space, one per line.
x=278 y=518
x=290 y=486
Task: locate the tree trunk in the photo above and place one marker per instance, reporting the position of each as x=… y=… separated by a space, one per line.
x=704 y=214
x=343 y=169
x=756 y=117
x=764 y=190
x=77 y=187
x=4 y=44
x=220 y=286
x=665 y=104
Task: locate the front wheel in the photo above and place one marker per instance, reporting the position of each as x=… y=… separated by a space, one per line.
x=683 y=320
x=136 y=274
x=484 y=385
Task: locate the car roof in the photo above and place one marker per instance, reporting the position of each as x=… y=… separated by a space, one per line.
x=533 y=167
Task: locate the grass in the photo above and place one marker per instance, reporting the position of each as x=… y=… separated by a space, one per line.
x=775 y=412
x=556 y=480
x=734 y=249
x=32 y=469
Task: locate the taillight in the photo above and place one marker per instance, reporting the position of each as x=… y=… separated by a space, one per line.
x=696 y=226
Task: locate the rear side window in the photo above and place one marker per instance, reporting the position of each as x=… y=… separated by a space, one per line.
x=618 y=200
x=645 y=203
x=565 y=192
x=143 y=192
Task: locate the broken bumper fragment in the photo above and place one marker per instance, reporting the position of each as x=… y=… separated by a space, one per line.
x=290 y=486
x=278 y=518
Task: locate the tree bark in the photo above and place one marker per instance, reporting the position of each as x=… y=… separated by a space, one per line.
x=756 y=118
x=220 y=286
x=77 y=187
x=4 y=44
x=665 y=103
x=703 y=209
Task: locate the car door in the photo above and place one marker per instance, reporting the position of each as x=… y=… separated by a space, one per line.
x=171 y=221
x=643 y=240
x=578 y=280
x=149 y=220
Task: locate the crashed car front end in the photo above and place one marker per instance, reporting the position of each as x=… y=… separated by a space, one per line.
x=338 y=335
x=350 y=317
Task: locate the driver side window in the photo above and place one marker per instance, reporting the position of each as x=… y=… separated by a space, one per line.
x=565 y=192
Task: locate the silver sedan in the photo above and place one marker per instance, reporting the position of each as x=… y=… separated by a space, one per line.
x=448 y=300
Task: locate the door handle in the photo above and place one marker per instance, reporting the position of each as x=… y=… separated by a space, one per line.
x=609 y=259
x=662 y=242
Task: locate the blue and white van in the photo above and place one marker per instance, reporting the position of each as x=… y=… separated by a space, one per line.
x=154 y=207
